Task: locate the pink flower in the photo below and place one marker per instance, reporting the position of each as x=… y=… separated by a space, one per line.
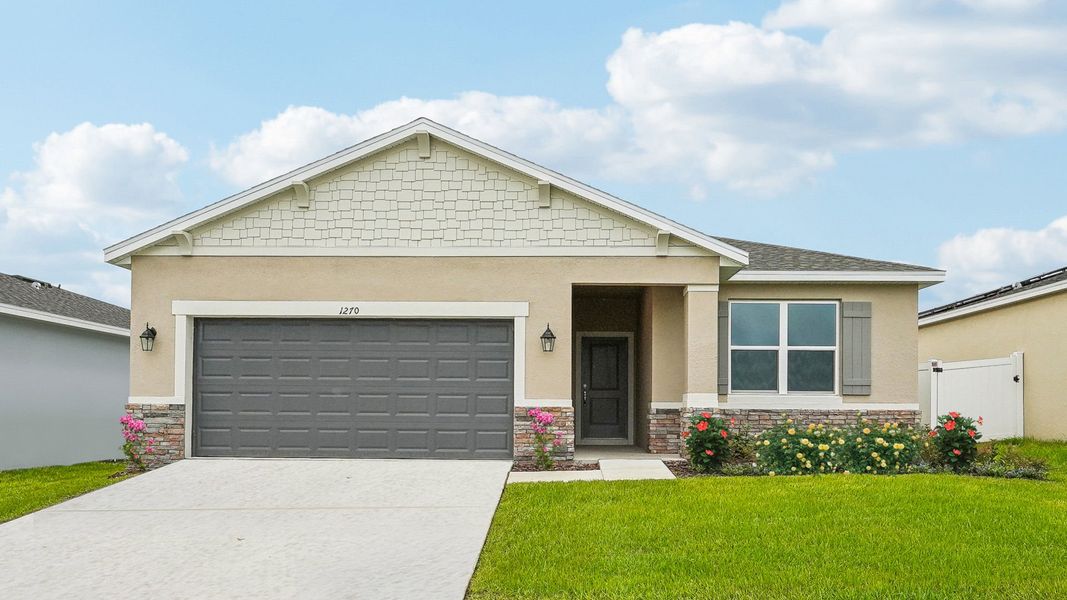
x=702 y=426
x=723 y=433
x=956 y=451
x=709 y=452
x=980 y=419
x=954 y=414
x=950 y=425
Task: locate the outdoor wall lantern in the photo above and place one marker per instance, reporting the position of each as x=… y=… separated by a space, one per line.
x=148 y=338
x=548 y=339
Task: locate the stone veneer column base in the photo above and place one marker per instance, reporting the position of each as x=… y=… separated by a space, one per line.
x=760 y=420
x=524 y=435
x=165 y=424
x=664 y=426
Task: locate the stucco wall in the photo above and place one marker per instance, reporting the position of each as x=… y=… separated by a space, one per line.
x=544 y=282
x=1038 y=328
x=453 y=199
x=894 y=333
x=63 y=392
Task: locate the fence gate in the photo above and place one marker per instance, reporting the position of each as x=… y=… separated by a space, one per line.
x=991 y=388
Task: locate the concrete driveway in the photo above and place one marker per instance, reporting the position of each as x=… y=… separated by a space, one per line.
x=230 y=528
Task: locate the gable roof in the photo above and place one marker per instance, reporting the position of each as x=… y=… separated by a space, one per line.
x=118 y=253
x=33 y=299
x=1034 y=287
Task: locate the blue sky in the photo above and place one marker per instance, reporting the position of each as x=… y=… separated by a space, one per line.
x=926 y=132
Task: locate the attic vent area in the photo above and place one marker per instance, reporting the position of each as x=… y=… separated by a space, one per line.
x=35 y=283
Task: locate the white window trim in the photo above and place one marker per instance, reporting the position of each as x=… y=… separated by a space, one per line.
x=186 y=310
x=783 y=349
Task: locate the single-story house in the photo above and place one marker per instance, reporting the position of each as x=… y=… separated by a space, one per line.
x=65 y=373
x=1028 y=317
x=414 y=295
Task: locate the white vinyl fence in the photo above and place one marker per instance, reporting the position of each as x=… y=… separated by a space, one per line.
x=991 y=389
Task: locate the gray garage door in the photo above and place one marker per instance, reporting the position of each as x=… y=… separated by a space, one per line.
x=353 y=388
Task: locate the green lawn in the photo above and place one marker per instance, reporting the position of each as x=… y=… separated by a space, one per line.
x=23 y=491
x=841 y=536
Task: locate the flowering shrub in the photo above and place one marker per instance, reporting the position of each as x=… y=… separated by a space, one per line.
x=956 y=440
x=136 y=447
x=886 y=448
x=546 y=441
x=789 y=449
x=707 y=441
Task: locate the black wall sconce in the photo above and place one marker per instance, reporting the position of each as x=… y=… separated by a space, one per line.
x=548 y=339
x=148 y=338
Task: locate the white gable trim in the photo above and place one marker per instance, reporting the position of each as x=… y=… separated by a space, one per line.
x=47 y=317
x=117 y=253
x=442 y=251
x=993 y=303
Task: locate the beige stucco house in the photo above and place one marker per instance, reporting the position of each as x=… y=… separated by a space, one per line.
x=395 y=300
x=1028 y=317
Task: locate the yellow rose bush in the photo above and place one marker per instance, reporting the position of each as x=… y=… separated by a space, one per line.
x=793 y=449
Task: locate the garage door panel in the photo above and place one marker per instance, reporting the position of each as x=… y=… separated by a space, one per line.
x=353 y=388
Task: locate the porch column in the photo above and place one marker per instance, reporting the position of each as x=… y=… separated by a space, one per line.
x=701 y=346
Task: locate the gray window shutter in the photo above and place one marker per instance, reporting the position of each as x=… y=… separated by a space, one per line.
x=724 y=347
x=856 y=348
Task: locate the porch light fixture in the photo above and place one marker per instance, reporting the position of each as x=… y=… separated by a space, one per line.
x=148 y=338
x=548 y=339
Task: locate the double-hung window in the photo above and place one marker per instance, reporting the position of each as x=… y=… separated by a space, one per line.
x=783 y=347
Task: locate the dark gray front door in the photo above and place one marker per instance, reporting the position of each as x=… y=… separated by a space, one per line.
x=605 y=387
x=353 y=388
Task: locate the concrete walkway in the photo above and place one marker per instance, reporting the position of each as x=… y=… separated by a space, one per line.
x=261 y=529
x=610 y=470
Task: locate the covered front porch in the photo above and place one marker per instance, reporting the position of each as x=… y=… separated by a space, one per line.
x=639 y=355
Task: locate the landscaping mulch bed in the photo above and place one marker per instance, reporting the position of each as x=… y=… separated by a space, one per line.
x=569 y=465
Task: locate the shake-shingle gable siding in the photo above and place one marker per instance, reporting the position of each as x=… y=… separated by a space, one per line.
x=21 y=292
x=453 y=199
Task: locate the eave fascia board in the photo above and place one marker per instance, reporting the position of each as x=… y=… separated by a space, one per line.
x=47 y=317
x=993 y=303
x=114 y=254
x=922 y=278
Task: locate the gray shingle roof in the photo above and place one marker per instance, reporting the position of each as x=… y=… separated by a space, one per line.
x=19 y=291
x=1026 y=285
x=771 y=257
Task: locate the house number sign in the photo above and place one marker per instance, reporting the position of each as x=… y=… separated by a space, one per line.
x=349 y=310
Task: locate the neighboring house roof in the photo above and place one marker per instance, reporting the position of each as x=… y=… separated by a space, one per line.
x=1039 y=285
x=34 y=299
x=771 y=263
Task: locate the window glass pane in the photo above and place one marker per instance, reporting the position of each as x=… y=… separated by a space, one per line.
x=754 y=370
x=812 y=325
x=754 y=324
x=811 y=371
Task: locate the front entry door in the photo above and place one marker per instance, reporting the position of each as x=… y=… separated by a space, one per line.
x=605 y=388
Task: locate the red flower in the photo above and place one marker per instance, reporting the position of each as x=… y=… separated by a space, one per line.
x=733 y=421
x=709 y=452
x=685 y=434
x=950 y=425
x=933 y=432
x=956 y=451
x=723 y=433
x=702 y=426
x=970 y=432
x=705 y=415
x=954 y=414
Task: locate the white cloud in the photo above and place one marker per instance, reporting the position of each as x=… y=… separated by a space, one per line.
x=539 y=126
x=755 y=107
x=90 y=186
x=989 y=258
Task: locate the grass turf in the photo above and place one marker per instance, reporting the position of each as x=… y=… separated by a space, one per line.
x=841 y=536
x=23 y=491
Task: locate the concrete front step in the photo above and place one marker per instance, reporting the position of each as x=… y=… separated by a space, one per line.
x=610 y=470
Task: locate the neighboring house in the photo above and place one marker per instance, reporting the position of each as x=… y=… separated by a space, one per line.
x=65 y=373
x=394 y=300
x=1030 y=317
